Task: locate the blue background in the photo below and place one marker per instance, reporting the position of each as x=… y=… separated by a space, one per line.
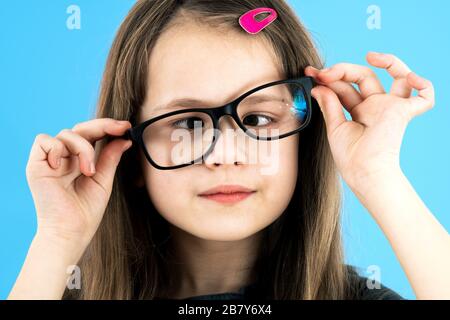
x=50 y=75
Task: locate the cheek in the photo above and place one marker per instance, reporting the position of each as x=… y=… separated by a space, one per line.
x=288 y=162
x=280 y=184
x=167 y=190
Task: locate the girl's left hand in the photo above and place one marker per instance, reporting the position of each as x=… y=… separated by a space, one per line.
x=368 y=146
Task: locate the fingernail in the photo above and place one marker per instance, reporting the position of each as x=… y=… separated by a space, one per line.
x=127 y=145
x=92 y=168
x=325 y=70
x=314 y=71
x=314 y=93
x=319 y=103
x=317 y=97
x=121 y=122
x=379 y=54
x=58 y=162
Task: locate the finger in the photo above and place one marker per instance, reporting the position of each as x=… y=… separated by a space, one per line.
x=80 y=147
x=48 y=148
x=396 y=68
x=331 y=107
x=108 y=160
x=349 y=96
x=96 y=129
x=364 y=77
x=425 y=98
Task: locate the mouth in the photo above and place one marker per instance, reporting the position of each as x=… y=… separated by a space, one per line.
x=227 y=193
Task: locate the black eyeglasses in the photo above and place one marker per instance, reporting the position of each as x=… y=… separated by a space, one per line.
x=184 y=137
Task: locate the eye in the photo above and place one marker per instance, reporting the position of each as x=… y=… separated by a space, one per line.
x=189 y=123
x=254 y=120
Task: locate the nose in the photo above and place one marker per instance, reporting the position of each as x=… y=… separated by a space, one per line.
x=228 y=148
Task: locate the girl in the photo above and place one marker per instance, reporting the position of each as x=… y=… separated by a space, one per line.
x=140 y=224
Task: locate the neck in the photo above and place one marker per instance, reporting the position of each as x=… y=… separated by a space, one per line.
x=201 y=267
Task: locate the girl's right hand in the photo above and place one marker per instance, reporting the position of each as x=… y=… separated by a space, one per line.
x=69 y=197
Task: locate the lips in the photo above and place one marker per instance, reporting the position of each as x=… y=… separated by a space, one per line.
x=226 y=189
x=227 y=193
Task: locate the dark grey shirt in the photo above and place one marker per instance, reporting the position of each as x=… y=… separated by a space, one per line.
x=363 y=293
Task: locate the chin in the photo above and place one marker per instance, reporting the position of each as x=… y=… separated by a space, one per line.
x=221 y=232
x=224 y=237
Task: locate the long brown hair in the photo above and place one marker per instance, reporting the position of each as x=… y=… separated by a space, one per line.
x=301 y=256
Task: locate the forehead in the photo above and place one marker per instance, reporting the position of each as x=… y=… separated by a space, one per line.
x=216 y=66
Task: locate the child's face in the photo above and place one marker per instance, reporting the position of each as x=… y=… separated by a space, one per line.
x=194 y=62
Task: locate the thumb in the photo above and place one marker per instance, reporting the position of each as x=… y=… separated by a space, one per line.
x=330 y=106
x=108 y=160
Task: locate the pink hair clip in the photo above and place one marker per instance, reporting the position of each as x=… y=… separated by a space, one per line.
x=251 y=25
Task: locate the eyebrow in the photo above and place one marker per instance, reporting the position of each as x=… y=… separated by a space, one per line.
x=264 y=97
x=183 y=103
x=190 y=102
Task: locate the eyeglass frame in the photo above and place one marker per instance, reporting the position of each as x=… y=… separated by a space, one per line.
x=215 y=113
